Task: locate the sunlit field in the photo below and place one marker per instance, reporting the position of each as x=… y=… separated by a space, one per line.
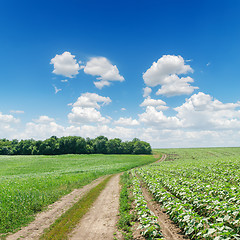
x=198 y=188
x=30 y=183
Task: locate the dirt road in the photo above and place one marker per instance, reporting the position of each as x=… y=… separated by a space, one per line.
x=44 y=219
x=100 y=222
x=164 y=156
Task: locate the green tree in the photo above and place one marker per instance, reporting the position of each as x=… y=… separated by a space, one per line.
x=141 y=147
x=100 y=144
x=114 y=146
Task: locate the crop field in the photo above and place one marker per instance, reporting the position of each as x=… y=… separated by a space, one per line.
x=198 y=188
x=30 y=183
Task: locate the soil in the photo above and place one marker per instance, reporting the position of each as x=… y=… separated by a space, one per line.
x=44 y=219
x=100 y=221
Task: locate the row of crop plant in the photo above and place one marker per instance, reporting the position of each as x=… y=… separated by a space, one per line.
x=149 y=226
x=184 y=211
x=134 y=210
x=193 y=208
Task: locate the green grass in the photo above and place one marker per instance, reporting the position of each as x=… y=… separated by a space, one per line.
x=65 y=224
x=200 y=154
x=30 y=183
x=125 y=217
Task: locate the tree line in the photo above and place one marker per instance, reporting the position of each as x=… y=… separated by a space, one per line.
x=73 y=145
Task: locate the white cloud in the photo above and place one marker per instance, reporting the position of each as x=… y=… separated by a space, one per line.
x=85 y=109
x=80 y=115
x=64 y=80
x=123 y=109
x=146 y=91
x=126 y=122
x=169 y=138
x=152 y=117
x=102 y=67
x=163 y=138
x=42 y=128
x=101 y=84
x=8 y=119
x=166 y=66
x=201 y=111
x=8 y=125
x=65 y=65
x=208 y=64
x=158 y=104
x=94 y=131
x=176 y=86
x=44 y=119
x=91 y=100
x=17 y=111
x=165 y=72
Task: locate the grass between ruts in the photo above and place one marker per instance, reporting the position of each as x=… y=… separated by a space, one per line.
x=66 y=223
x=126 y=218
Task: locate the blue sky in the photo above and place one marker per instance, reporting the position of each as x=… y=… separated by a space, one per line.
x=114 y=44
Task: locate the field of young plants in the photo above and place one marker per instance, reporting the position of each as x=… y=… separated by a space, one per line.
x=30 y=183
x=198 y=188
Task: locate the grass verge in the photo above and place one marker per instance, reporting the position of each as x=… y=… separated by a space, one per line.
x=65 y=224
x=126 y=218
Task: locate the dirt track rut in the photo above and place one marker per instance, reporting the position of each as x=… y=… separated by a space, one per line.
x=100 y=221
x=168 y=228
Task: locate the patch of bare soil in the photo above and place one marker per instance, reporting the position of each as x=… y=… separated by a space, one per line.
x=44 y=219
x=100 y=221
x=172 y=157
x=169 y=229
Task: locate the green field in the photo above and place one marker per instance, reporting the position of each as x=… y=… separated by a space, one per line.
x=30 y=183
x=199 y=189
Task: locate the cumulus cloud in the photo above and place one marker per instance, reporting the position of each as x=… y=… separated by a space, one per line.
x=7 y=125
x=199 y=112
x=126 y=121
x=8 y=119
x=165 y=72
x=44 y=119
x=102 y=67
x=177 y=86
x=146 y=91
x=65 y=65
x=81 y=115
x=203 y=112
x=101 y=84
x=158 y=104
x=152 y=117
x=42 y=128
x=86 y=109
x=91 y=100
